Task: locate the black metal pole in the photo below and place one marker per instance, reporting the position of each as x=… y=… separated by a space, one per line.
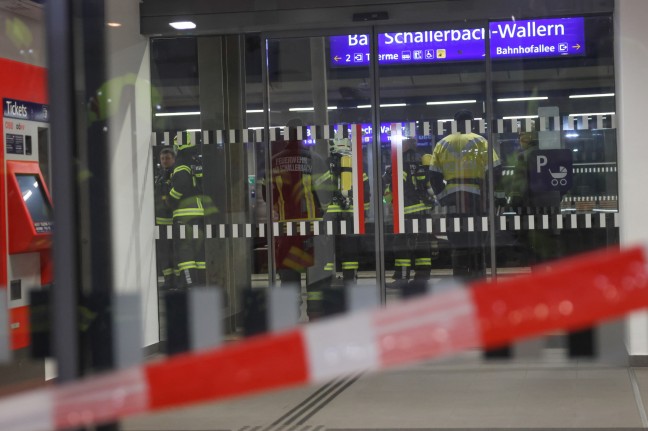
x=62 y=113
x=97 y=262
x=81 y=186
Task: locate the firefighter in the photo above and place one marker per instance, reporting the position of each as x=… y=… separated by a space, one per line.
x=339 y=180
x=186 y=200
x=539 y=245
x=457 y=174
x=520 y=197
x=417 y=249
x=164 y=216
x=294 y=200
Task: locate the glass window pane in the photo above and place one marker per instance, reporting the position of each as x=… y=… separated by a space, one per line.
x=432 y=181
x=319 y=167
x=562 y=161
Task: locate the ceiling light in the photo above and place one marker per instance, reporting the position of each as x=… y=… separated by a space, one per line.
x=175 y=114
x=364 y=106
x=452 y=119
x=522 y=99
x=183 y=25
x=392 y=105
x=194 y=130
x=330 y=108
x=586 y=96
x=254 y=111
x=593 y=114
x=520 y=117
x=113 y=24
x=451 y=102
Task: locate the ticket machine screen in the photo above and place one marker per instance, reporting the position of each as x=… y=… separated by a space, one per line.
x=36 y=202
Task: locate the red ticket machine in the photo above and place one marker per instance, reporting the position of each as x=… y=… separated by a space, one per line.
x=30 y=222
x=26 y=219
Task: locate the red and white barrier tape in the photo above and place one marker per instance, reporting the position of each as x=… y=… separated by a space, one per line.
x=575 y=293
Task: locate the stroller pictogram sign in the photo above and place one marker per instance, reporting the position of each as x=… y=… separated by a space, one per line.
x=550 y=170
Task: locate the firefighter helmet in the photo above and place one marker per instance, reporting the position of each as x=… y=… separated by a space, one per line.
x=183 y=142
x=340 y=146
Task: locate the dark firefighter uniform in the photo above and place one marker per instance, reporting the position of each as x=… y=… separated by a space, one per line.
x=294 y=200
x=186 y=199
x=339 y=180
x=415 y=249
x=164 y=218
x=457 y=174
x=540 y=245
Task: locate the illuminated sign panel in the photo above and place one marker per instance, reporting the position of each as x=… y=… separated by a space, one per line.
x=409 y=47
x=538 y=38
x=367 y=133
x=28 y=111
x=509 y=39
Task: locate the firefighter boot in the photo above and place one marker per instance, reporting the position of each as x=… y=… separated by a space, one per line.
x=315 y=298
x=192 y=277
x=422 y=273
x=350 y=277
x=462 y=264
x=401 y=278
x=169 y=282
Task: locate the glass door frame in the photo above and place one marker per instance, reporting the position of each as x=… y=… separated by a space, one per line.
x=376 y=198
x=488 y=101
x=374 y=78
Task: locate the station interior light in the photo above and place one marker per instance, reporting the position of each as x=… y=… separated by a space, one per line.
x=522 y=99
x=183 y=25
x=588 y=96
x=176 y=114
x=593 y=114
x=520 y=117
x=309 y=108
x=443 y=120
x=383 y=105
x=451 y=102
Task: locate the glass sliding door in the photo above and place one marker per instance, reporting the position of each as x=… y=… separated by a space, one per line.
x=318 y=177
x=554 y=98
x=575 y=90
x=397 y=157
x=433 y=189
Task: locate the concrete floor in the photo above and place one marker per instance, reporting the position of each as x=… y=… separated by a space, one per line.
x=464 y=392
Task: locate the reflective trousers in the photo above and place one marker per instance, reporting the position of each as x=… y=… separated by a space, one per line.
x=189 y=255
x=413 y=251
x=165 y=261
x=468 y=248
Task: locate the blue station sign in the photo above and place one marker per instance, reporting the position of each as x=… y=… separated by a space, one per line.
x=509 y=39
x=551 y=171
x=537 y=38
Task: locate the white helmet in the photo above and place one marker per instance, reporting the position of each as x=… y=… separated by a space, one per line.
x=340 y=146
